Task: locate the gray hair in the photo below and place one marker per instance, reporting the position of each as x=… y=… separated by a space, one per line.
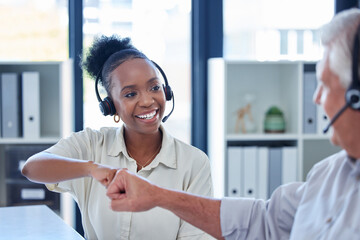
x=339 y=35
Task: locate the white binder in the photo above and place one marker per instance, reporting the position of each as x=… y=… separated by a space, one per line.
x=249 y=171
x=263 y=175
x=234 y=168
x=31 y=104
x=289 y=164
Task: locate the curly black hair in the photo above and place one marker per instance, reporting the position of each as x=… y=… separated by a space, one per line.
x=106 y=54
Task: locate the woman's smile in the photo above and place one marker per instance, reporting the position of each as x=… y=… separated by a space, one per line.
x=149 y=116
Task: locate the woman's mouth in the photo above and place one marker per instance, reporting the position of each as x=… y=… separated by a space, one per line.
x=147 y=116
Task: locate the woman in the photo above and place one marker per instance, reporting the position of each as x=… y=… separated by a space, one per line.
x=86 y=161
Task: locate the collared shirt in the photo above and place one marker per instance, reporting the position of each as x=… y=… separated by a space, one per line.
x=326 y=206
x=177 y=166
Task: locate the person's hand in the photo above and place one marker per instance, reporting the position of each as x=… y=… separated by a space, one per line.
x=103 y=174
x=130 y=192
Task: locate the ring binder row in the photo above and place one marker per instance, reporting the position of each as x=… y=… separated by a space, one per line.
x=20 y=105
x=256 y=171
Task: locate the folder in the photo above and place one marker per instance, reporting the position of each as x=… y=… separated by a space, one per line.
x=234 y=167
x=310 y=115
x=249 y=171
x=31 y=104
x=10 y=105
x=289 y=164
x=262 y=176
x=275 y=169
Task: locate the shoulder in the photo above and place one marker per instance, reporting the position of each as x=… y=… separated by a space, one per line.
x=189 y=149
x=104 y=132
x=329 y=165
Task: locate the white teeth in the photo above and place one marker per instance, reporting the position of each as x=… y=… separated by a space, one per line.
x=147 y=116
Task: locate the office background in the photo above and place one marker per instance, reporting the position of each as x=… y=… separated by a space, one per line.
x=180 y=35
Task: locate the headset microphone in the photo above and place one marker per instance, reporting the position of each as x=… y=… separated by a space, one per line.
x=336 y=117
x=172 y=109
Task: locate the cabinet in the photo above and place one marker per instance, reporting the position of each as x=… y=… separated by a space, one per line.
x=233 y=85
x=55 y=110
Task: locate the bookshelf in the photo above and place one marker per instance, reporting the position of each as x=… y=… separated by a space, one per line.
x=55 y=108
x=233 y=84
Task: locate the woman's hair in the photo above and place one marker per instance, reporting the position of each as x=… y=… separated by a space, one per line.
x=339 y=36
x=106 y=54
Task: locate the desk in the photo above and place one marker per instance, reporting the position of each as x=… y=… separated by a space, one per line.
x=34 y=223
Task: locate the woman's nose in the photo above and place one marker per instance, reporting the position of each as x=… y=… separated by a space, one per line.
x=146 y=100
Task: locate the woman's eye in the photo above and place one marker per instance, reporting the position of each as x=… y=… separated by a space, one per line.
x=155 y=88
x=129 y=95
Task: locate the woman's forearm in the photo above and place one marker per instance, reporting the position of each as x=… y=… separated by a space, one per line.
x=49 y=168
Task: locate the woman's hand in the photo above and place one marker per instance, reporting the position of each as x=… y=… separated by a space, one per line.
x=103 y=174
x=130 y=192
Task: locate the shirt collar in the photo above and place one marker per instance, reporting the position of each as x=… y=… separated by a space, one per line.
x=354 y=164
x=166 y=156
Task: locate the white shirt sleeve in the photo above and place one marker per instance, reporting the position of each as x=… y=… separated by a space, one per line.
x=244 y=218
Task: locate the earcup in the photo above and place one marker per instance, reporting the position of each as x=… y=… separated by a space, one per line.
x=353 y=98
x=168 y=92
x=352 y=95
x=107 y=107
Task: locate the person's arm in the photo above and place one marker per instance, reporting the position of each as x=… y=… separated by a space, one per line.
x=130 y=192
x=50 y=168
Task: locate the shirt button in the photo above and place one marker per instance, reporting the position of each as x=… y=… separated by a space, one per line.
x=329 y=220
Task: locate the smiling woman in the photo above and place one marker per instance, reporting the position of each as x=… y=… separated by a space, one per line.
x=159 y=28
x=141 y=144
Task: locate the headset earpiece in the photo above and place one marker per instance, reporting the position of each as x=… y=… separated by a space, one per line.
x=168 y=92
x=352 y=95
x=107 y=107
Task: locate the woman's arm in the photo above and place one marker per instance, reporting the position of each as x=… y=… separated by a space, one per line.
x=50 y=168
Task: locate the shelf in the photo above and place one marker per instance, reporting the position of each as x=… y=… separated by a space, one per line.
x=262 y=137
x=56 y=120
x=315 y=137
x=49 y=140
x=288 y=85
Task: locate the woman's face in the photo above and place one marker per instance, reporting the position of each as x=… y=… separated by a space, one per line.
x=138 y=96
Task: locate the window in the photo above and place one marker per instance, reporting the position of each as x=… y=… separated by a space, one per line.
x=160 y=29
x=34 y=30
x=275 y=30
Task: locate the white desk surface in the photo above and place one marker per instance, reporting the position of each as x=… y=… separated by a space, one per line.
x=34 y=222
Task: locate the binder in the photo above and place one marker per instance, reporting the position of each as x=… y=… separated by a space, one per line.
x=262 y=176
x=31 y=104
x=289 y=164
x=310 y=115
x=275 y=169
x=234 y=167
x=249 y=171
x=10 y=105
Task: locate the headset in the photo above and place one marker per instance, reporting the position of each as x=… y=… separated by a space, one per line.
x=107 y=106
x=352 y=95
